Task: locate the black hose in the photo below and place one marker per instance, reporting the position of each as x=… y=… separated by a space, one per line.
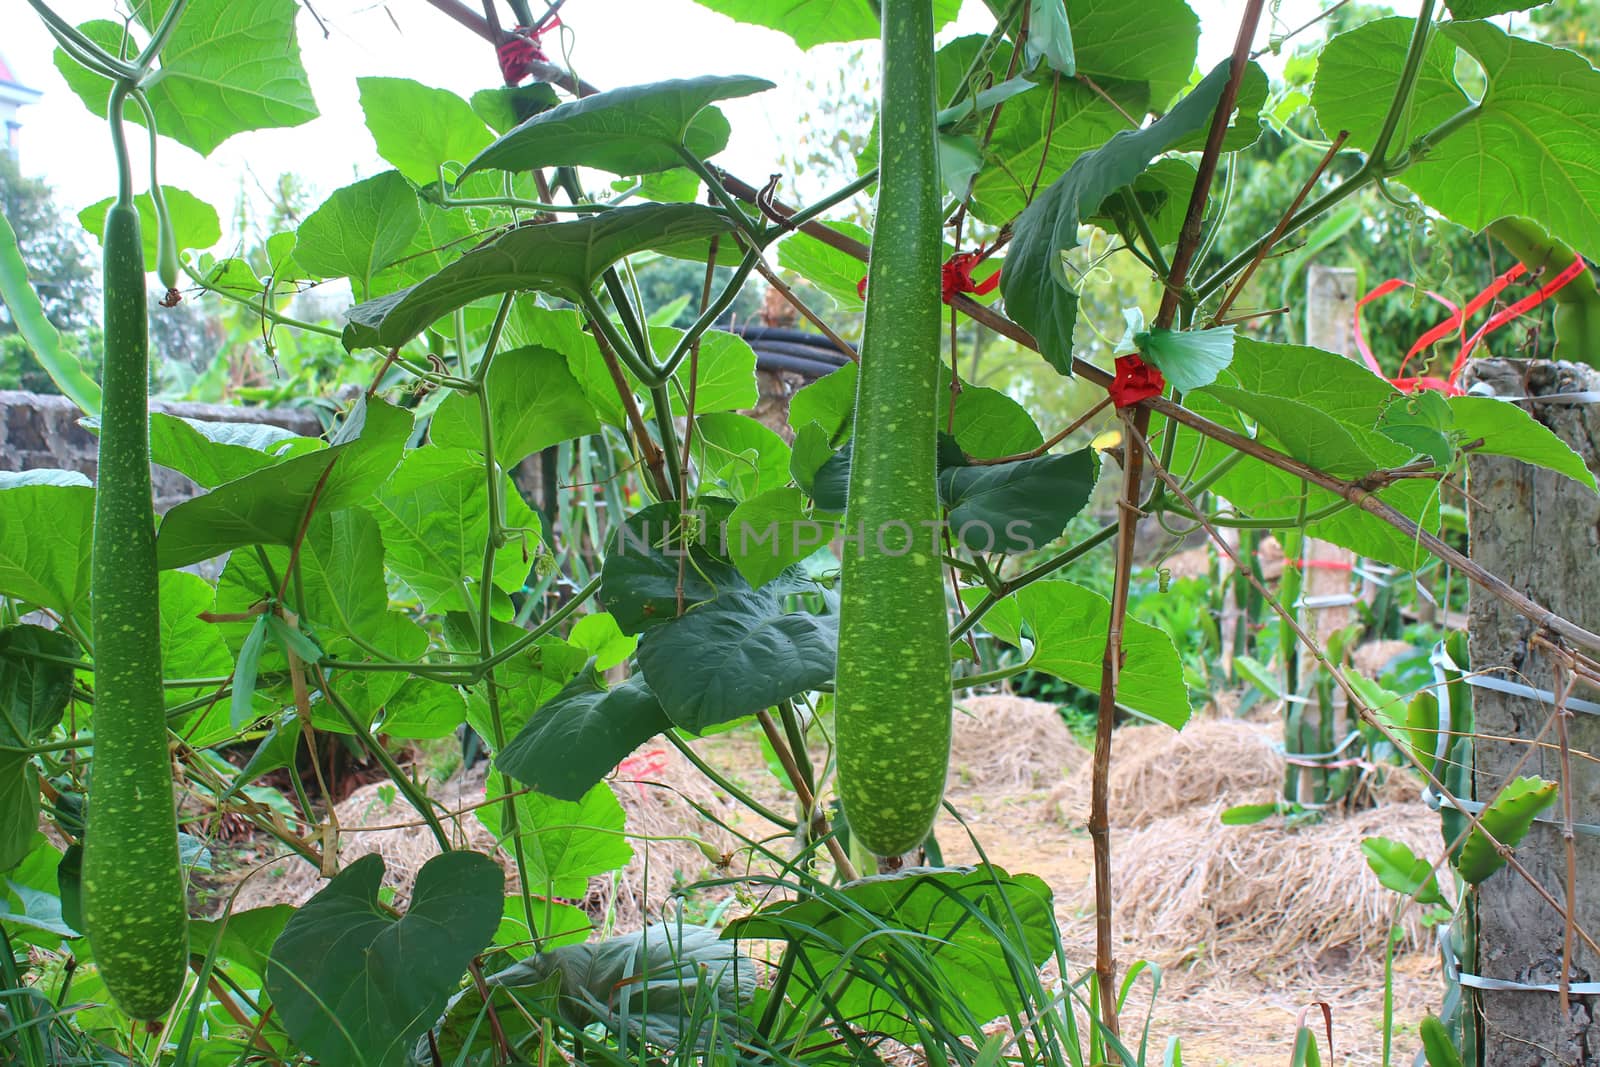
x=772 y=361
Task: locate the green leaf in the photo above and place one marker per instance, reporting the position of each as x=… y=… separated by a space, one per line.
x=1067 y=624
x=1508 y=430
x=1155 y=43
x=422 y=710
x=505 y=106
x=771 y=532
x=563 y=258
x=50 y=572
x=243 y=938
x=1483 y=9
x=727 y=378
x=19 y=808
x=814 y=22
x=359 y=230
x=1311 y=435
x=1401 y=870
x=354 y=985
x=227 y=68
x=268 y=507
x=737 y=655
x=639 y=129
x=1162 y=192
x=1038 y=291
x=830 y=401
x=835 y=272
x=1190 y=359
x=1437 y=1046
x=1247 y=814
x=190 y=646
x=194 y=222
x=442 y=236
x=1020 y=506
x=602 y=638
x=1050 y=36
x=646 y=560
x=417 y=128
x=435 y=519
x=1326 y=406
x=534 y=402
x=1044 y=133
x=27 y=314
x=580 y=736
x=564 y=842
x=740 y=454
x=989 y=424
x=808 y=455
x=676 y=985
x=242 y=700
x=1421 y=421
x=956 y=919
x=33 y=692
x=211 y=453
x=1244 y=126
x=1508 y=819
x=1528 y=149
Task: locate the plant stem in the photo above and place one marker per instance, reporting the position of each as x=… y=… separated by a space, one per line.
x=1400 y=105
x=158 y=40
x=722 y=782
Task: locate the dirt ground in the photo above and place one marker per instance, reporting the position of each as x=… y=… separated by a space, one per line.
x=1235 y=1000
x=1251 y=926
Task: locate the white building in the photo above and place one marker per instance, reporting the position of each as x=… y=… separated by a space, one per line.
x=13 y=95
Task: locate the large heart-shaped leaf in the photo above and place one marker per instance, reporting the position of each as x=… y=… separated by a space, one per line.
x=19 y=808
x=578 y=737
x=53 y=571
x=955 y=917
x=268 y=506
x=814 y=22
x=563 y=258
x=534 y=402
x=1067 y=625
x=33 y=692
x=1020 y=506
x=1038 y=292
x=194 y=222
x=737 y=655
x=660 y=562
x=359 y=230
x=227 y=68
x=354 y=985
x=1528 y=147
x=634 y=130
x=564 y=842
x=210 y=453
x=417 y=128
x=676 y=984
x=434 y=514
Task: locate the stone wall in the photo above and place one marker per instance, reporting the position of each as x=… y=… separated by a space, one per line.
x=38 y=431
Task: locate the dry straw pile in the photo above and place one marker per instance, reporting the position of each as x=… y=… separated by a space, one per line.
x=1003 y=743
x=658 y=789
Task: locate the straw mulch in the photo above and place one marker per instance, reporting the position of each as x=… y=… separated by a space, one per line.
x=1005 y=743
x=656 y=787
x=1157 y=772
x=1265 y=899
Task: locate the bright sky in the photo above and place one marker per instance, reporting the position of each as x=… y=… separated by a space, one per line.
x=612 y=43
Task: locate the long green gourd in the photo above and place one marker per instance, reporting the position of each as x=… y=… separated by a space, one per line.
x=893 y=680
x=134 y=897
